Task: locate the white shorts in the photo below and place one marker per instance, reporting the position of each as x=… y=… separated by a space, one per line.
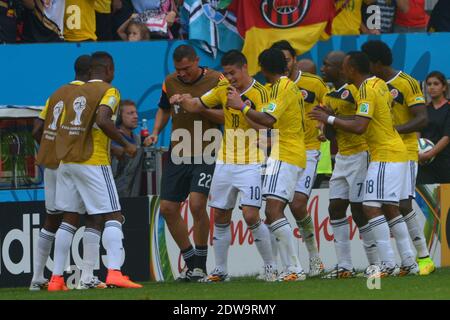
x=409 y=187
x=348 y=178
x=280 y=179
x=50 y=190
x=230 y=179
x=384 y=182
x=306 y=181
x=86 y=188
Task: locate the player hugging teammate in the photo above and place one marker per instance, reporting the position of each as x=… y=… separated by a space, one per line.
x=373 y=111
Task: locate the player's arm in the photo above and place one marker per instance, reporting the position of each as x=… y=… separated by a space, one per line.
x=358 y=125
x=234 y=101
x=29 y=4
x=38 y=129
x=38 y=124
x=161 y=119
x=196 y=105
x=418 y=122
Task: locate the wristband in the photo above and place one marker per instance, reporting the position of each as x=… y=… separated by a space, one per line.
x=330 y=120
x=243 y=107
x=245 y=110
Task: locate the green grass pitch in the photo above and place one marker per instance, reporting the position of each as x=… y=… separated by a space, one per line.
x=435 y=286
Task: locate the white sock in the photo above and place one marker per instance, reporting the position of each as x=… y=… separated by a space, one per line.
x=63 y=241
x=369 y=244
x=44 y=246
x=283 y=231
x=112 y=240
x=262 y=238
x=382 y=238
x=91 y=246
x=341 y=230
x=400 y=232
x=221 y=244
x=417 y=235
x=306 y=228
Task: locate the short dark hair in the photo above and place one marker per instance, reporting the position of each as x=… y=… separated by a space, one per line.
x=272 y=60
x=233 y=58
x=101 y=59
x=82 y=65
x=360 y=61
x=285 y=45
x=378 y=51
x=184 y=51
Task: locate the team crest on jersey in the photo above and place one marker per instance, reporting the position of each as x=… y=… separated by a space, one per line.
x=345 y=94
x=213 y=12
x=364 y=108
x=284 y=13
x=394 y=93
x=304 y=94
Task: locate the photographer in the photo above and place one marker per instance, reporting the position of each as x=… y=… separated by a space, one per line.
x=127 y=171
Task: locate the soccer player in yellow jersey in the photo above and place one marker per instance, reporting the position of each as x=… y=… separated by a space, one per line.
x=410 y=116
x=85 y=182
x=238 y=167
x=51 y=113
x=388 y=163
x=287 y=159
x=313 y=90
x=350 y=170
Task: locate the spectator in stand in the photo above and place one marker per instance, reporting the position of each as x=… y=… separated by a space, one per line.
x=132 y=30
x=438 y=131
x=440 y=17
x=8 y=20
x=160 y=17
x=414 y=20
x=43 y=20
x=79 y=21
x=121 y=12
x=387 y=12
x=348 y=19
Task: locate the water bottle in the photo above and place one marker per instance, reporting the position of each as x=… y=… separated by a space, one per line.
x=144 y=131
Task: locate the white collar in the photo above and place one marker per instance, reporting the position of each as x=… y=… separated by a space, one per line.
x=394 y=77
x=246 y=90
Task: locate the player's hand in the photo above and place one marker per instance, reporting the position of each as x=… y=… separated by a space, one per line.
x=321 y=137
x=318 y=114
x=150 y=140
x=234 y=100
x=175 y=99
x=130 y=149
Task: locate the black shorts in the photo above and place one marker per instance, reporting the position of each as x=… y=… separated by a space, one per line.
x=179 y=180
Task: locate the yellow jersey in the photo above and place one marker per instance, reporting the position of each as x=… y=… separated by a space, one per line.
x=79 y=20
x=343 y=102
x=101 y=142
x=287 y=108
x=239 y=142
x=103 y=6
x=406 y=93
x=374 y=102
x=313 y=90
x=348 y=20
